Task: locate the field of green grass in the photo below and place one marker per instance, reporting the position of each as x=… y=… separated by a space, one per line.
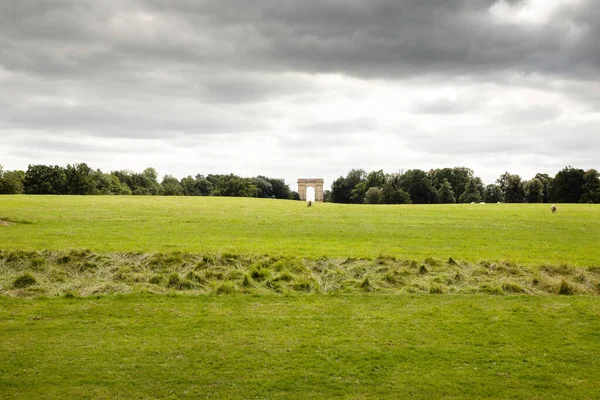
x=525 y=234
x=304 y=347
x=163 y=297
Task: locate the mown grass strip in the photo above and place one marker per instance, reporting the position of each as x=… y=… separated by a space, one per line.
x=322 y=347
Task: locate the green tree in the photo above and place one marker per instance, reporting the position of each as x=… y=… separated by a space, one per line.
x=44 y=179
x=567 y=186
x=170 y=186
x=591 y=187
x=392 y=194
x=458 y=177
x=471 y=194
x=108 y=184
x=513 y=189
x=492 y=194
x=373 y=196
x=546 y=181
x=418 y=185
x=79 y=179
x=11 y=182
x=445 y=193
x=279 y=189
x=235 y=186
x=534 y=191
x=265 y=189
x=341 y=189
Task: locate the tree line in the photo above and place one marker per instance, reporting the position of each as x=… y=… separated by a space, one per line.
x=460 y=185
x=80 y=179
x=414 y=186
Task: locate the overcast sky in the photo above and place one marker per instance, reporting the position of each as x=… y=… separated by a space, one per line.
x=301 y=88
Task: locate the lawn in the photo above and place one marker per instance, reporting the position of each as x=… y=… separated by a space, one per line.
x=318 y=347
x=526 y=234
x=206 y=297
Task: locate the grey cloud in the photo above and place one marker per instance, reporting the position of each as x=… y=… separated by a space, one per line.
x=533 y=114
x=384 y=38
x=439 y=106
x=136 y=120
x=358 y=125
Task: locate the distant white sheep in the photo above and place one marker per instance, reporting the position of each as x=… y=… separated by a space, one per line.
x=553 y=208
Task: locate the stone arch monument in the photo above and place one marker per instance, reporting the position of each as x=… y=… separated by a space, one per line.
x=317 y=184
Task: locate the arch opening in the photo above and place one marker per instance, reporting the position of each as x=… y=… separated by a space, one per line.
x=310 y=194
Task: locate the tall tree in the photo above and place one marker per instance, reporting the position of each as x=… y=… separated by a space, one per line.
x=513 y=189
x=445 y=193
x=534 y=191
x=265 y=189
x=567 y=186
x=471 y=194
x=458 y=177
x=234 y=186
x=546 y=181
x=492 y=194
x=418 y=185
x=170 y=186
x=11 y=182
x=341 y=189
x=79 y=179
x=44 y=179
x=591 y=187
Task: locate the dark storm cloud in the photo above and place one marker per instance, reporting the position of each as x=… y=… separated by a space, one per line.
x=233 y=70
x=382 y=38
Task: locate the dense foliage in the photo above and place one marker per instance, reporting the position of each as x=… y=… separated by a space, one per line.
x=80 y=179
x=414 y=186
x=460 y=185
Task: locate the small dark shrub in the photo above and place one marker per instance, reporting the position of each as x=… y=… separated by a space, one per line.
x=24 y=281
x=423 y=269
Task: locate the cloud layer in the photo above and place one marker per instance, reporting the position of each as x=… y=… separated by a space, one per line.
x=296 y=88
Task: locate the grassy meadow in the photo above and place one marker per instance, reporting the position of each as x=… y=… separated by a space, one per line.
x=164 y=297
x=306 y=347
x=525 y=234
